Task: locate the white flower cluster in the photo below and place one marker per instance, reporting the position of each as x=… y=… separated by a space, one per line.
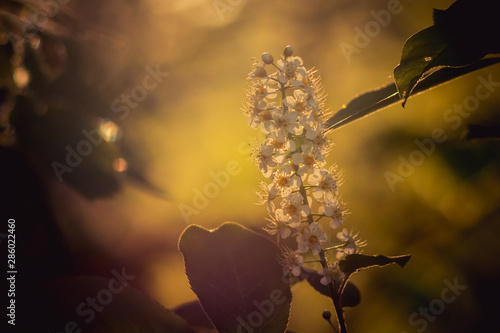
x=288 y=106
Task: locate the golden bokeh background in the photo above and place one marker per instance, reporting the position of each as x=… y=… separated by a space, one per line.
x=445 y=213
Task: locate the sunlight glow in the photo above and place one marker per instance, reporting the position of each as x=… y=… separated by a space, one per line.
x=109 y=130
x=120 y=164
x=21 y=77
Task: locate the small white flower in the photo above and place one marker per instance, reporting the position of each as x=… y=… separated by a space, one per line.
x=312 y=101
x=263 y=90
x=333 y=208
x=296 y=102
x=286 y=145
x=319 y=143
x=266 y=194
x=293 y=205
x=254 y=108
x=266 y=119
x=280 y=148
x=292 y=262
x=257 y=71
x=325 y=185
x=352 y=243
x=266 y=160
x=285 y=181
x=282 y=124
x=307 y=160
x=278 y=224
x=290 y=69
x=331 y=273
x=311 y=238
x=312 y=126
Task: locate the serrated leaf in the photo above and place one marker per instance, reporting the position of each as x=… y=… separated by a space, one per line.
x=237 y=278
x=378 y=99
x=354 y=262
x=98 y=305
x=424 y=53
x=462 y=34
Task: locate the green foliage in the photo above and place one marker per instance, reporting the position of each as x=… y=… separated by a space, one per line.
x=461 y=35
x=380 y=98
x=457 y=44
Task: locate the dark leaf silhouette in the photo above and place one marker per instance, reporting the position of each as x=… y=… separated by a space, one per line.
x=475 y=132
x=193 y=313
x=378 y=99
x=354 y=262
x=462 y=34
x=455 y=45
x=237 y=278
x=350 y=297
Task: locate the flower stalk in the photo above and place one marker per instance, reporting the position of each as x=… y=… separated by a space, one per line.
x=288 y=106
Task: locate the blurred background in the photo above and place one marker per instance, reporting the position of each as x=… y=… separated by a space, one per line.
x=127 y=203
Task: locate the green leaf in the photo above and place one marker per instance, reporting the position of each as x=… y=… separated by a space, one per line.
x=362 y=105
x=424 y=53
x=461 y=35
x=236 y=275
x=354 y=262
x=98 y=305
x=378 y=99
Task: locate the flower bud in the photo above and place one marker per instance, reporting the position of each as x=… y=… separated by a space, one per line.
x=327 y=315
x=260 y=72
x=288 y=51
x=267 y=58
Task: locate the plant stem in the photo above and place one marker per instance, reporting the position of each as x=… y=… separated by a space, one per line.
x=338 y=309
x=335 y=294
x=331 y=325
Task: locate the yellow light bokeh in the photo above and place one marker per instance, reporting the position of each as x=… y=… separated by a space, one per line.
x=196 y=144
